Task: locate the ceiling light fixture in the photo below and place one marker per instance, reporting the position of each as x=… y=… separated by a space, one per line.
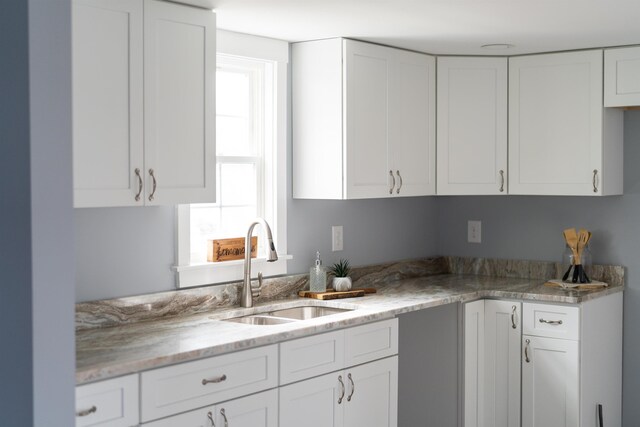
x=497 y=46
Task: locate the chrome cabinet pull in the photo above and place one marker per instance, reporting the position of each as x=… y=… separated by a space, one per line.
x=393 y=182
x=214 y=380
x=551 y=322
x=224 y=415
x=210 y=416
x=341 y=388
x=595 y=178
x=137 y=171
x=86 y=412
x=153 y=190
x=501 y=181
x=526 y=351
x=513 y=317
x=400 y=185
x=353 y=388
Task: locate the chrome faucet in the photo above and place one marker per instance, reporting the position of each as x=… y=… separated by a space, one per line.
x=246 y=300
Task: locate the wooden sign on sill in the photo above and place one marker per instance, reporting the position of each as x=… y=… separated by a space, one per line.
x=229 y=249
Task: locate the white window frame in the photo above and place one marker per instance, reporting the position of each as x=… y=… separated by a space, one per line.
x=191 y=274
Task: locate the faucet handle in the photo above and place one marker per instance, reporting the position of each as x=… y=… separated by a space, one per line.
x=255 y=290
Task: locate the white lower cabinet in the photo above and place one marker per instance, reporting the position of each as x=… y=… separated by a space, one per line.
x=364 y=395
x=570 y=357
x=112 y=403
x=258 y=410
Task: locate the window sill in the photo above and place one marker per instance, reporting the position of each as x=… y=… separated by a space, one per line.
x=210 y=273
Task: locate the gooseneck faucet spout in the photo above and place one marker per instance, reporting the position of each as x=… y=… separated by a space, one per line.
x=246 y=299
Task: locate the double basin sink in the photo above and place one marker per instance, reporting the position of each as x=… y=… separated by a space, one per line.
x=288 y=315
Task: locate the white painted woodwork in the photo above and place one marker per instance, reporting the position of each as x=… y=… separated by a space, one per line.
x=537 y=318
x=178 y=388
x=107 y=101
x=472 y=126
x=115 y=402
x=311 y=356
x=559 y=133
x=360 y=112
x=474 y=364
x=312 y=403
x=372 y=399
x=257 y=410
x=622 y=77
x=179 y=82
x=550 y=382
x=370 y=342
x=503 y=333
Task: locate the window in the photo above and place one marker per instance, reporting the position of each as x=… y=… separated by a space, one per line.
x=250 y=164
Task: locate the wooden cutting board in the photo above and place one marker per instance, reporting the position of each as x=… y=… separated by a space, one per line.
x=331 y=294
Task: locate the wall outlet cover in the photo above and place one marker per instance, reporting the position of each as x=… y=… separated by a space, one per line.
x=474 y=231
x=337 y=238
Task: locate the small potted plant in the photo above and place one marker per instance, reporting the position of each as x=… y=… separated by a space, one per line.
x=341 y=280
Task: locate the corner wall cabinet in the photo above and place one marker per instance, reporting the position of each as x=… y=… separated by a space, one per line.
x=363 y=121
x=562 y=141
x=622 y=77
x=472 y=126
x=143 y=103
x=568 y=356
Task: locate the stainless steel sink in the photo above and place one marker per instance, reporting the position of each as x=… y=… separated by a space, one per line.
x=287 y=315
x=259 y=320
x=307 y=312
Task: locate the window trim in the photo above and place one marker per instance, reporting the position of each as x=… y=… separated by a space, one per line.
x=187 y=274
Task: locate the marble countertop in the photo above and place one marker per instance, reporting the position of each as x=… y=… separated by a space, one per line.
x=103 y=353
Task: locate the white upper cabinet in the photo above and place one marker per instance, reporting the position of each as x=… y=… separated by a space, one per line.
x=363 y=121
x=622 y=77
x=107 y=102
x=561 y=139
x=143 y=103
x=472 y=126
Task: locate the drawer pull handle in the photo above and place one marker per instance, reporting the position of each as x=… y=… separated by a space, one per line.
x=210 y=416
x=400 y=185
x=86 y=412
x=551 y=322
x=137 y=172
x=214 y=380
x=224 y=415
x=353 y=388
x=502 y=181
x=341 y=388
x=513 y=317
x=393 y=182
x=526 y=351
x=153 y=190
x=595 y=182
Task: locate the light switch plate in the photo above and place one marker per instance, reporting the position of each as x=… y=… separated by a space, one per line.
x=474 y=231
x=336 y=238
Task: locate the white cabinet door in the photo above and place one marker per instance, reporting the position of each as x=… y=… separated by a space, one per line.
x=179 y=79
x=622 y=77
x=474 y=368
x=107 y=102
x=366 y=85
x=372 y=394
x=503 y=333
x=472 y=126
x=258 y=410
x=314 y=402
x=556 y=126
x=411 y=121
x=550 y=386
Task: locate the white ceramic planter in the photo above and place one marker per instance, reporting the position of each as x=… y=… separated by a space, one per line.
x=341 y=284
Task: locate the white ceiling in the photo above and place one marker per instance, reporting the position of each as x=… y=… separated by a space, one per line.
x=442 y=27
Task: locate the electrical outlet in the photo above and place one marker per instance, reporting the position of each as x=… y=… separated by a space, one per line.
x=474 y=231
x=336 y=238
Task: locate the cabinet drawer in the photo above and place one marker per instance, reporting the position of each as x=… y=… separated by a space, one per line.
x=312 y=356
x=553 y=321
x=192 y=385
x=112 y=403
x=370 y=342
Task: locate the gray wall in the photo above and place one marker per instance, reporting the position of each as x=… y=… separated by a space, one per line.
x=531 y=228
x=36 y=255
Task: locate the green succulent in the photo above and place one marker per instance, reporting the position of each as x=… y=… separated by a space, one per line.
x=341 y=268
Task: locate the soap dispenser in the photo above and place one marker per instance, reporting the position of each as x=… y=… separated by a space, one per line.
x=318 y=276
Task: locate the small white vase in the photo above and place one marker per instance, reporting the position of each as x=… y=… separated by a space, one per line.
x=341 y=284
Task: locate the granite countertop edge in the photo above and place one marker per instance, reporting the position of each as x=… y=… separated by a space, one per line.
x=112 y=352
